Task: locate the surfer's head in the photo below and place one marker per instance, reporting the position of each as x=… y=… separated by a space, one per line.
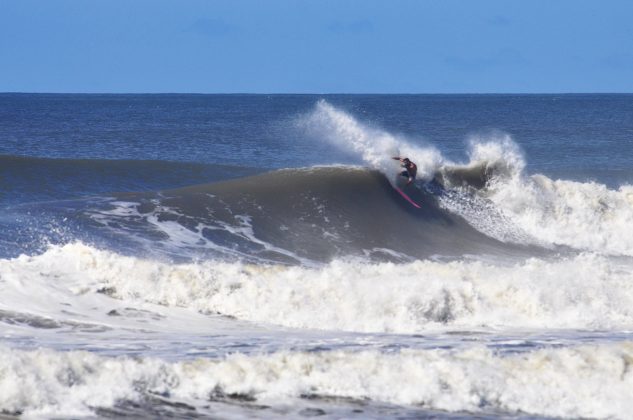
x=406 y=160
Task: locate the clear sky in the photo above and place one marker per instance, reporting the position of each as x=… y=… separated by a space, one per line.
x=325 y=46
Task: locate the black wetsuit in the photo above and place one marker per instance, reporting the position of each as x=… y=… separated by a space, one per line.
x=410 y=171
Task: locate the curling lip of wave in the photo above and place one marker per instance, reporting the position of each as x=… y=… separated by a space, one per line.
x=476 y=175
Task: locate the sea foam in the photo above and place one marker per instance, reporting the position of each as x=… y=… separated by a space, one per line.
x=586 y=291
x=583 y=381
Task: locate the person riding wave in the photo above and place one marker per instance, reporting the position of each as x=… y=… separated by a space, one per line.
x=410 y=169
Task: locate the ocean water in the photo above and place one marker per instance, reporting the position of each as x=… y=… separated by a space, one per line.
x=248 y=256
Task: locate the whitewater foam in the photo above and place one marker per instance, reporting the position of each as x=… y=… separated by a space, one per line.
x=517 y=207
x=177 y=239
x=586 y=291
x=500 y=154
x=583 y=381
x=586 y=216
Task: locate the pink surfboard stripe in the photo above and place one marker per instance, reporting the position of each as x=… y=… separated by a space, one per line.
x=407 y=197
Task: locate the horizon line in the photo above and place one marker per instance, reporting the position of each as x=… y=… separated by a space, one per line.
x=311 y=93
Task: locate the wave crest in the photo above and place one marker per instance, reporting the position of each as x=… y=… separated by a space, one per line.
x=373 y=145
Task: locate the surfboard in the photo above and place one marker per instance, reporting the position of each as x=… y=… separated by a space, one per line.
x=406 y=197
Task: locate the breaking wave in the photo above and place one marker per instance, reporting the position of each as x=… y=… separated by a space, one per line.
x=587 y=291
x=583 y=381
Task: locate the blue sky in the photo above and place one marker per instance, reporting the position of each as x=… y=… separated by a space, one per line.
x=339 y=46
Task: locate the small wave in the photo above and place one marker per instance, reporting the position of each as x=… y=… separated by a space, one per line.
x=29 y=179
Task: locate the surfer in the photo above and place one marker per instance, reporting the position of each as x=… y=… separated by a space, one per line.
x=410 y=169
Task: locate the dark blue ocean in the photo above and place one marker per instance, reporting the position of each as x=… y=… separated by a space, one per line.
x=233 y=256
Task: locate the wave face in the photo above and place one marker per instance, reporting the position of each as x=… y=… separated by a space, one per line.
x=297 y=216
